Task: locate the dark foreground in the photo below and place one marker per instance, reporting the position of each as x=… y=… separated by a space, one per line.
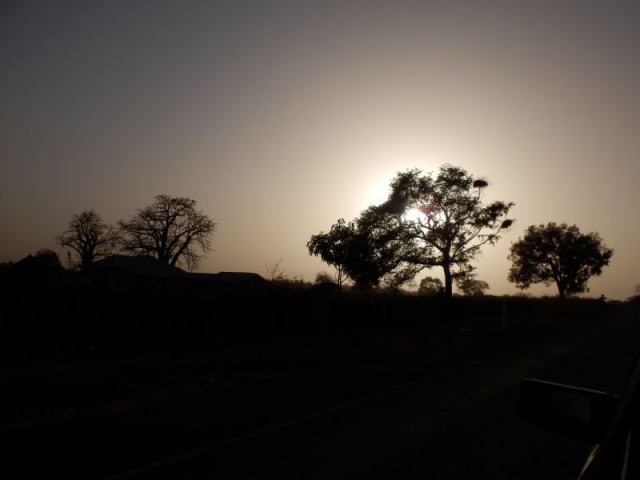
x=392 y=403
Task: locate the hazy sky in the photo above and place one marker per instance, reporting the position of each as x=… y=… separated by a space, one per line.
x=279 y=118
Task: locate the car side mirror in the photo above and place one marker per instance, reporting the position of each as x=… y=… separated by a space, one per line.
x=579 y=413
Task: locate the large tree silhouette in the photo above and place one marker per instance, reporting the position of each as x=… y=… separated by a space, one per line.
x=88 y=236
x=444 y=220
x=171 y=229
x=367 y=251
x=560 y=254
x=427 y=221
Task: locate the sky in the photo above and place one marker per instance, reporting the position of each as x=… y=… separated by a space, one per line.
x=280 y=117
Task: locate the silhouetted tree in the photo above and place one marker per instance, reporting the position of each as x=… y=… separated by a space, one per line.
x=325 y=283
x=443 y=220
x=88 y=236
x=369 y=250
x=430 y=286
x=557 y=253
x=471 y=287
x=333 y=247
x=275 y=272
x=426 y=222
x=324 y=277
x=170 y=229
x=44 y=266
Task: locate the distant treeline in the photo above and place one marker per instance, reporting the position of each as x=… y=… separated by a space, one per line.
x=73 y=316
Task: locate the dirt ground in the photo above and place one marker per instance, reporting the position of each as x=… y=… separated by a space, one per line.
x=53 y=390
x=103 y=413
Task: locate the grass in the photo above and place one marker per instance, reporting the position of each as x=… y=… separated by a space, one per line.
x=58 y=387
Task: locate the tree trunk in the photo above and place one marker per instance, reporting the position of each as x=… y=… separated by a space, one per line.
x=448 y=281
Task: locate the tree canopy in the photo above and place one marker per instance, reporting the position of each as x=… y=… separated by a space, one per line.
x=333 y=247
x=367 y=251
x=430 y=286
x=473 y=287
x=427 y=221
x=557 y=253
x=449 y=221
x=171 y=229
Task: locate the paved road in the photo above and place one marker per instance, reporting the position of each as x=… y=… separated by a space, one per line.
x=460 y=423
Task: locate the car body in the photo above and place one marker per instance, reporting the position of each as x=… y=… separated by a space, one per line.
x=606 y=421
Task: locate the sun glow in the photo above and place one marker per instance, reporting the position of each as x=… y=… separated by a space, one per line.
x=413 y=215
x=425 y=213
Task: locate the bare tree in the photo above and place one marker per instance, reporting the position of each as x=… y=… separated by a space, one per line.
x=88 y=236
x=275 y=272
x=171 y=229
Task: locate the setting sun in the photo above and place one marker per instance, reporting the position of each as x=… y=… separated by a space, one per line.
x=315 y=109
x=413 y=215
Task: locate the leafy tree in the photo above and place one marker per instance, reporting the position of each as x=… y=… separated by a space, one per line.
x=333 y=247
x=325 y=282
x=557 y=253
x=323 y=277
x=367 y=251
x=171 y=229
x=88 y=236
x=430 y=286
x=472 y=287
x=443 y=221
x=426 y=222
x=46 y=259
x=43 y=267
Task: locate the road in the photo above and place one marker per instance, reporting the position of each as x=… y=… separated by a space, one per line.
x=458 y=423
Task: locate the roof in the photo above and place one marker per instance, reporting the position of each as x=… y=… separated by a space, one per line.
x=137 y=266
x=149 y=266
x=229 y=277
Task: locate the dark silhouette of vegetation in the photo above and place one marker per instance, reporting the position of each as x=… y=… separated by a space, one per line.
x=635 y=299
x=366 y=251
x=171 y=229
x=89 y=237
x=333 y=247
x=278 y=277
x=473 y=287
x=426 y=222
x=323 y=277
x=43 y=268
x=376 y=252
x=275 y=272
x=431 y=286
x=453 y=222
x=74 y=315
x=557 y=253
